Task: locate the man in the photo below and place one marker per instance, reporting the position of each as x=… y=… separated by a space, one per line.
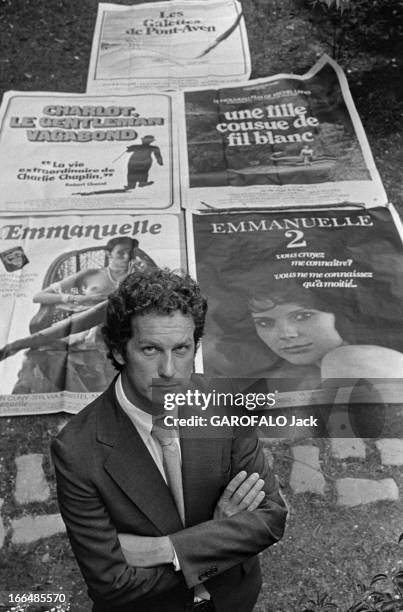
x=140 y=162
x=144 y=546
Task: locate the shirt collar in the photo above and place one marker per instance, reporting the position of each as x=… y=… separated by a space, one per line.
x=141 y=419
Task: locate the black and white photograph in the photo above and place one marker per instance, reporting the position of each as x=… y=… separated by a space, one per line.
x=201 y=290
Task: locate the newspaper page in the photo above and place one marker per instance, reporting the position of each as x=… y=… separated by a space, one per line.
x=309 y=299
x=277 y=141
x=64 y=152
x=55 y=276
x=168 y=46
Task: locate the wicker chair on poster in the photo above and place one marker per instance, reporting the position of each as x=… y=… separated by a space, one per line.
x=63 y=266
x=77 y=365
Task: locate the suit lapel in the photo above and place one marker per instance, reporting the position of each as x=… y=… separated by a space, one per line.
x=201 y=474
x=133 y=469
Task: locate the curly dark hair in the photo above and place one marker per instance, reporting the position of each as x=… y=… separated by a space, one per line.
x=159 y=291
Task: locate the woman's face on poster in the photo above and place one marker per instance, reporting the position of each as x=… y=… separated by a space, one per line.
x=120 y=256
x=296 y=333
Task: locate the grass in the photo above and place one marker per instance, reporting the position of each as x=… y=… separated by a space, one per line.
x=327 y=549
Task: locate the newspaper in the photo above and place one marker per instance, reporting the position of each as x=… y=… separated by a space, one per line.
x=308 y=299
x=168 y=46
x=277 y=141
x=67 y=152
x=55 y=276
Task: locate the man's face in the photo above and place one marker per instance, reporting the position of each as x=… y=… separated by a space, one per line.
x=161 y=348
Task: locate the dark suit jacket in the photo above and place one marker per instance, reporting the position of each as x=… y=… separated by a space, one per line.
x=107 y=482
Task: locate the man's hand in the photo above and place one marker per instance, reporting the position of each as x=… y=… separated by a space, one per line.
x=242 y=493
x=146 y=551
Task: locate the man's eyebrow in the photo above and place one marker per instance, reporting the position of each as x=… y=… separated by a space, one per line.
x=182 y=342
x=148 y=341
x=157 y=344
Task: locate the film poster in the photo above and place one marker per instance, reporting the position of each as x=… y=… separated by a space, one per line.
x=276 y=142
x=308 y=299
x=56 y=274
x=66 y=152
x=168 y=46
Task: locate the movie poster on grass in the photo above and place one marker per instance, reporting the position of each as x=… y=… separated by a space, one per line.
x=168 y=46
x=55 y=276
x=306 y=298
x=66 y=152
x=277 y=141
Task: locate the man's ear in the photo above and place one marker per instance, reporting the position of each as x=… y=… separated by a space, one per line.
x=118 y=357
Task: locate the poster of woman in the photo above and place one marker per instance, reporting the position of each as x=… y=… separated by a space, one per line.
x=307 y=298
x=52 y=355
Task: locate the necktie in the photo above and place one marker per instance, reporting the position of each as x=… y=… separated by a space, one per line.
x=172 y=464
x=173 y=471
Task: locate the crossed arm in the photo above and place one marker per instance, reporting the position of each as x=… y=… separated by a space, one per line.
x=243 y=492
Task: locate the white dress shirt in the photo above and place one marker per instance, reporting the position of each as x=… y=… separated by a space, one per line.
x=143 y=422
